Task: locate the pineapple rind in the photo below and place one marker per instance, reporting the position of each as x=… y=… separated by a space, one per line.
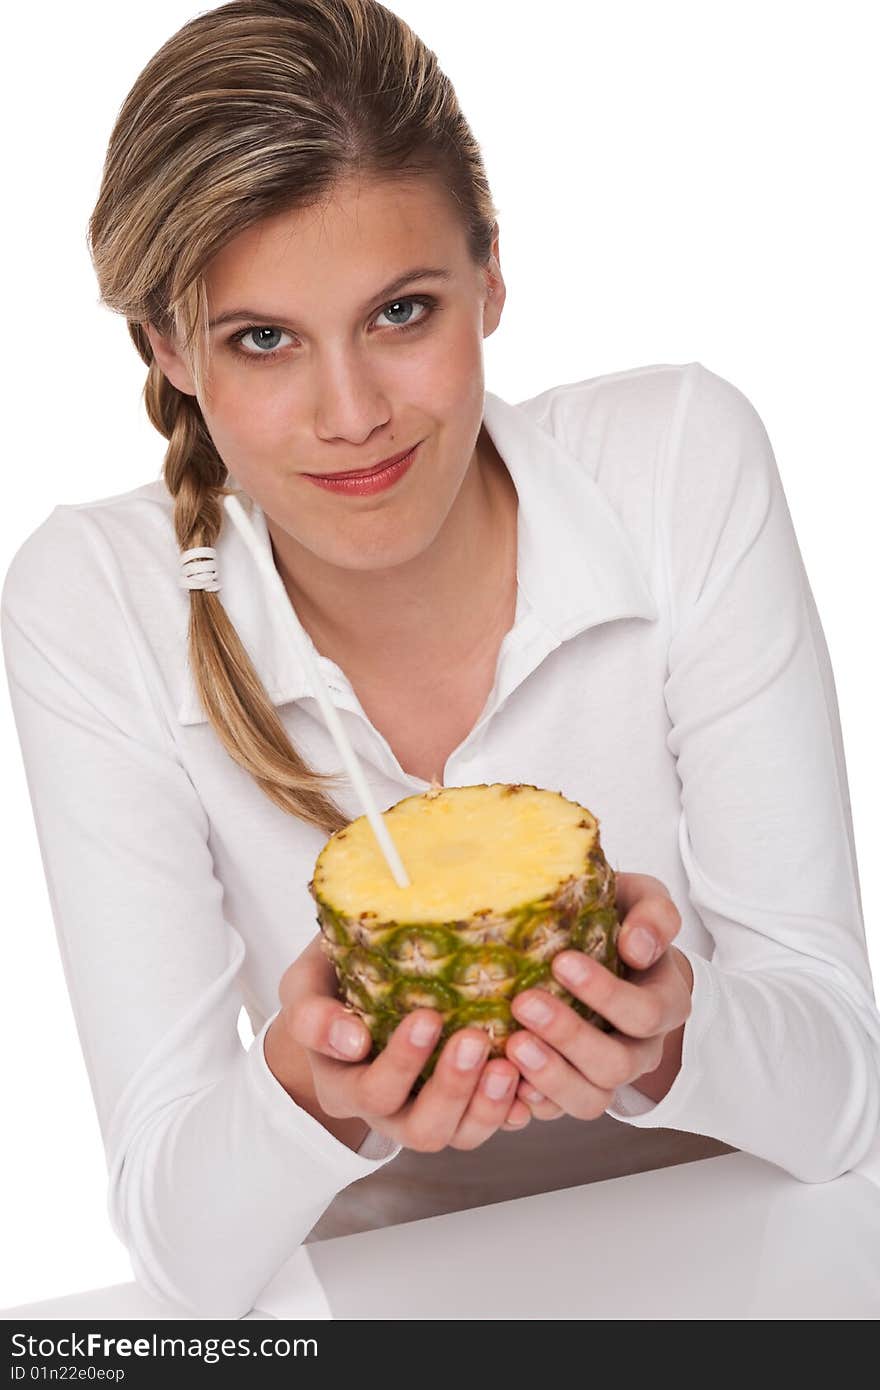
x=470 y=969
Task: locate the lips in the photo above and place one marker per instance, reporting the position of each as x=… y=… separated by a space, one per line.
x=381 y=479
x=366 y=472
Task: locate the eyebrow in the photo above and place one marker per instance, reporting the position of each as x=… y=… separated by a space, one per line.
x=419 y=273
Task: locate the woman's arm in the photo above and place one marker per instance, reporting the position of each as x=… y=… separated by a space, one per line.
x=216 y=1174
x=781 y=1053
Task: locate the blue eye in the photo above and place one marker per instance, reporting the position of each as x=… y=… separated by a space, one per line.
x=261 y=339
x=393 y=306
x=264 y=336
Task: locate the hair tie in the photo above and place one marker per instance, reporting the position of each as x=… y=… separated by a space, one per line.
x=199 y=568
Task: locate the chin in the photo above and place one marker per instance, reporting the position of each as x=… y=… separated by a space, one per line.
x=378 y=558
x=374 y=549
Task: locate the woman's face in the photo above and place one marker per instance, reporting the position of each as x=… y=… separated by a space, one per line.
x=326 y=370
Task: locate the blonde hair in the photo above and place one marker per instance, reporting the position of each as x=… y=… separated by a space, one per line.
x=251 y=109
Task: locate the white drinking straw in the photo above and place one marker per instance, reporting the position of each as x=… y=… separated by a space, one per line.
x=245 y=527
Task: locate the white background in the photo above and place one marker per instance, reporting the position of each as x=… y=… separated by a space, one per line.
x=675 y=180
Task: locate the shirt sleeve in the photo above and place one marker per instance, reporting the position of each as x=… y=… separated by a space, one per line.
x=215 y=1174
x=781 y=1052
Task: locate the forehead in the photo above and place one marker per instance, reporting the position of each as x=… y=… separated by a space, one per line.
x=360 y=230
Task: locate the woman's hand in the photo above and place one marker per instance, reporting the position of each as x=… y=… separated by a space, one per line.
x=570 y=1066
x=454 y=1107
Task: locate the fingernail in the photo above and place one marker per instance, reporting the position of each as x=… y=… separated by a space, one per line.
x=573 y=970
x=534 y=1011
x=423 y=1031
x=497 y=1085
x=346 y=1037
x=530 y=1054
x=641 y=945
x=468 y=1053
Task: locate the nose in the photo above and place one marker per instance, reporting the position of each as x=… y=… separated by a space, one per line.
x=350 y=403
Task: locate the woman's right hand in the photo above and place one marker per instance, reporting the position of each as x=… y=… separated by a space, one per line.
x=453 y=1108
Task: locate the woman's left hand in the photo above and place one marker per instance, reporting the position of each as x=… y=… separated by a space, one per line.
x=571 y=1067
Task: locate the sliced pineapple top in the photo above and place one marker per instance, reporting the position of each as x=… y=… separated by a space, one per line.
x=465 y=848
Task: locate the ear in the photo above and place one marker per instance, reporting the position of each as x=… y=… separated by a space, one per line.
x=496 y=290
x=171 y=361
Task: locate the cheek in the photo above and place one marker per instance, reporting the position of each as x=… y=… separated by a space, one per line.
x=254 y=417
x=446 y=372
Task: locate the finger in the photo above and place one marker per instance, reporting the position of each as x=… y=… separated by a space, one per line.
x=539 y=1106
x=382 y=1086
x=606 y=1060
x=654 y=1001
x=437 y=1111
x=518 y=1116
x=629 y=889
x=566 y=1086
x=328 y=1026
x=650 y=919
x=314 y=1014
x=489 y=1106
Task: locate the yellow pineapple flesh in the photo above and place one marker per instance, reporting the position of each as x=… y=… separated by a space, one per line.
x=502 y=877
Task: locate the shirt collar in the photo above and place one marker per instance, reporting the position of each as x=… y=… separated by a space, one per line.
x=575 y=563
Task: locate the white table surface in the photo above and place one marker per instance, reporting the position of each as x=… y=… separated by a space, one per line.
x=728 y=1237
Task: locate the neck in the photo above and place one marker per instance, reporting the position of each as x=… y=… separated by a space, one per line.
x=437 y=608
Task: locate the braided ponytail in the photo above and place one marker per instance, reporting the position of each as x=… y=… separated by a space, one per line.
x=231 y=692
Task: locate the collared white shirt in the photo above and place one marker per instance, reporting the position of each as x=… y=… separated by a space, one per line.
x=666 y=668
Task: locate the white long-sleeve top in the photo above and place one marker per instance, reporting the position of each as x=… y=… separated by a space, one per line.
x=666 y=668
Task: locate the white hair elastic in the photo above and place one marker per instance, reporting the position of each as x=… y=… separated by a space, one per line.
x=199 y=568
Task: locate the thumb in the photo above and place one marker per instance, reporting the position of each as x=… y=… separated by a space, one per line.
x=315 y=1014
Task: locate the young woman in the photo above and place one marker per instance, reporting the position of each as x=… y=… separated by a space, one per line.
x=597 y=591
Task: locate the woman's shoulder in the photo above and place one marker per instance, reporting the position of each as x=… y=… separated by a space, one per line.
x=92 y=615
x=78 y=539
x=632 y=420
x=643 y=390
x=94 y=574
x=645 y=387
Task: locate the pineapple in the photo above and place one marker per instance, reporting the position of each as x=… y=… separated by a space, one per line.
x=502 y=876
